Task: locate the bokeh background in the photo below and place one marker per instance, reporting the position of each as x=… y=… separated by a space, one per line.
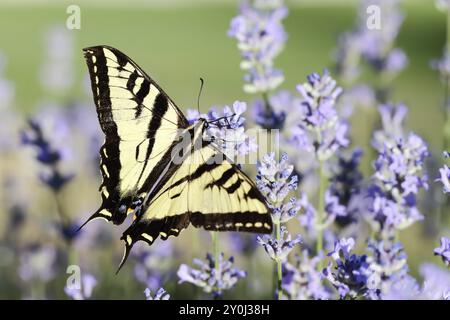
x=43 y=75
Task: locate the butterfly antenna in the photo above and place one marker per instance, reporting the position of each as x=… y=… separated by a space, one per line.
x=199 y=94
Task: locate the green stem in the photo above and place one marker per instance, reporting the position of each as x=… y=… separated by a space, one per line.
x=265 y=97
x=38 y=289
x=60 y=208
x=215 y=244
x=279 y=264
x=216 y=253
x=72 y=257
x=320 y=211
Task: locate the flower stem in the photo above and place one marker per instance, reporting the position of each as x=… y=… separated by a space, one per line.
x=278 y=263
x=265 y=97
x=216 y=253
x=215 y=244
x=320 y=211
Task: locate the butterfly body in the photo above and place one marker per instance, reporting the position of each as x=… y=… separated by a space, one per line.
x=157 y=166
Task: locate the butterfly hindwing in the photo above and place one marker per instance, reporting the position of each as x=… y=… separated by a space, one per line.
x=140 y=123
x=206 y=190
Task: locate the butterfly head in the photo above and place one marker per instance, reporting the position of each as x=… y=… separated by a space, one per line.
x=203 y=123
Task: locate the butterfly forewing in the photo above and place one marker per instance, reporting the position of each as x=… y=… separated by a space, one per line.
x=140 y=123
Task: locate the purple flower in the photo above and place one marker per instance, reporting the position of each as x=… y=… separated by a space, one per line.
x=57 y=73
x=161 y=294
x=332 y=206
x=387 y=264
x=69 y=231
x=83 y=290
x=319 y=131
x=392 y=118
x=226 y=129
x=266 y=117
x=436 y=285
x=436 y=282
x=302 y=281
x=275 y=180
x=346 y=185
x=48 y=156
x=309 y=219
x=444 y=250
x=210 y=277
x=405 y=288
x=374 y=45
x=377 y=44
x=350 y=275
x=397 y=180
x=278 y=250
x=261 y=38
x=395 y=61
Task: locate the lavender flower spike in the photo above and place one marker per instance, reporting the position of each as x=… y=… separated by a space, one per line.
x=388 y=265
x=228 y=132
x=47 y=155
x=275 y=181
x=303 y=281
x=261 y=38
x=351 y=273
x=397 y=180
x=211 y=278
x=161 y=294
x=444 y=250
x=279 y=250
x=319 y=131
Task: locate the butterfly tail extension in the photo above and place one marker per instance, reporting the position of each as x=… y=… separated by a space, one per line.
x=149 y=231
x=126 y=253
x=99 y=214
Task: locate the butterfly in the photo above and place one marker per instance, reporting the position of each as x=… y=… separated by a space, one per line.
x=157 y=166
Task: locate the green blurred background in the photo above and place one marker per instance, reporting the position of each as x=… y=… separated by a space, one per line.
x=177 y=42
